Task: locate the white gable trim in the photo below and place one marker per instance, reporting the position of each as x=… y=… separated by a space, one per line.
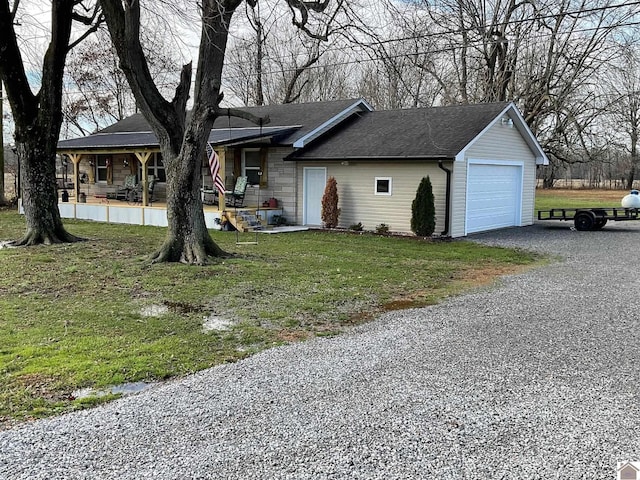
x=360 y=106
x=522 y=127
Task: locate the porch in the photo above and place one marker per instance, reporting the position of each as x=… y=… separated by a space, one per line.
x=97 y=208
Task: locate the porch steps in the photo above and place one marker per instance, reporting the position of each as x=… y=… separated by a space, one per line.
x=244 y=220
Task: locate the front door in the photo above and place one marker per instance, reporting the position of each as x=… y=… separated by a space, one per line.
x=314 y=179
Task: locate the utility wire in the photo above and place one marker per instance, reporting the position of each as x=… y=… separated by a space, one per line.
x=440 y=33
x=512 y=22
x=357 y=61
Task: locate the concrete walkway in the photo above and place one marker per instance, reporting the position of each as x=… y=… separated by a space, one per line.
x=535 y=378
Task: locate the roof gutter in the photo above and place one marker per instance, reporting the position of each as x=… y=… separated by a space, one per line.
x=447 y=208
x=294 y=157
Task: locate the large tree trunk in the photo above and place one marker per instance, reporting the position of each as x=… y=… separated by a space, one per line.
x=39 y=193
x=188 y=239
x=182 y=140
x=38 y=117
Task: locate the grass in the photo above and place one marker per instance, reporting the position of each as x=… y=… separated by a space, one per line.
x=547 y=199
x=73 y=315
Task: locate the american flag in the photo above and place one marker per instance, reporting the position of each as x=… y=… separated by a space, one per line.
x=214 y=167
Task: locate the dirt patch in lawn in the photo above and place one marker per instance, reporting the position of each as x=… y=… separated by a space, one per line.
x=40 y=385
x=487 y=275
x=474 y=278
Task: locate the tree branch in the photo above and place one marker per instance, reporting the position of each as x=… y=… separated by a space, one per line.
x=22 y=99
x=123 y=20
x=99 y=20
x=14 y=10
x=303 y=9
x=182 y=90
x=238 y=113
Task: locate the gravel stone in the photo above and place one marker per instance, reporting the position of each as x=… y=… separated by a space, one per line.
x=534 y=378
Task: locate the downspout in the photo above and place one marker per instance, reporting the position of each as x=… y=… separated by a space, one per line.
x=447 y=208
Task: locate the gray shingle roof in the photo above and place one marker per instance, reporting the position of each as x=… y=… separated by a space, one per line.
x=148 y=139
x=438 y=132
x=287 y=124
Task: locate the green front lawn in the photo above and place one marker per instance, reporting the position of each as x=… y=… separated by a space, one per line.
x=76 y=315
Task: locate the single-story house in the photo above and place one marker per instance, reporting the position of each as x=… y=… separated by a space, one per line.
x=481 y=160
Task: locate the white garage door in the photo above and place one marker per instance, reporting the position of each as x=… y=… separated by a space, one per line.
x=494 y=196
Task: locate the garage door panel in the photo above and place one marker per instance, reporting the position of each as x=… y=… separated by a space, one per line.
x=493 y=196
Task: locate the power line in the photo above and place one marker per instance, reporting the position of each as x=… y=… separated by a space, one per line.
x=357 y=61
x=477 y=43
x=511 y=22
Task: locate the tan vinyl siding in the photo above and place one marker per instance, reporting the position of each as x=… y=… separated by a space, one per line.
x=498 y=143
x=356 y=191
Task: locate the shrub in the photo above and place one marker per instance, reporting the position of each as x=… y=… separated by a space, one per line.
x=423 y=211
x=356 y=227
x=382 y=228
x=330 y=210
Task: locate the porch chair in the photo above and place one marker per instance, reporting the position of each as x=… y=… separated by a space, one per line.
x=235 y=198
x=123 y=191
x=136 y=196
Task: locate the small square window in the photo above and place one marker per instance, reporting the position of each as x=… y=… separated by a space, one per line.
x=383 y=186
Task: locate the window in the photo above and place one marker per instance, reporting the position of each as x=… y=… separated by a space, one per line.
x=383 y=186
x=251 y=165
x=102 y=165
x=155 y=167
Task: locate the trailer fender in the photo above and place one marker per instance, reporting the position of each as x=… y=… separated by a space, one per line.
x=601 y=219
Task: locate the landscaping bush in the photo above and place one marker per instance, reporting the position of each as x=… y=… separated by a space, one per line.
x=330 y=210
x=382 y=228
x=423 y=211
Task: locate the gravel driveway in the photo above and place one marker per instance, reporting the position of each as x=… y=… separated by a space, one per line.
x=535 y=378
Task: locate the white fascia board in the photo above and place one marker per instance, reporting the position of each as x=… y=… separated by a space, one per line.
x=529 y=137
x=521 y=125
x=360 y=106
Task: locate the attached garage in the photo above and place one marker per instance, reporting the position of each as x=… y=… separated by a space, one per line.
x=494 y=195
x=481 y=160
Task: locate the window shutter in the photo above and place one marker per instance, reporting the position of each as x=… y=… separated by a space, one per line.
x=109 y=171
x=237 y=162
x=264 y=157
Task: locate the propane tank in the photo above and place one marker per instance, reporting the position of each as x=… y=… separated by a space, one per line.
x=632 y=200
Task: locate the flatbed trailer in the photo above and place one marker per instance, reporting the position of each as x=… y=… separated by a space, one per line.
x=590 y=218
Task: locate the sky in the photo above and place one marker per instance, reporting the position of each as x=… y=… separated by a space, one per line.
x=183 y=33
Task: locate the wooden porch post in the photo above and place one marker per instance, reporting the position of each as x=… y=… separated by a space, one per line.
x=143 y=157
x=75 y=159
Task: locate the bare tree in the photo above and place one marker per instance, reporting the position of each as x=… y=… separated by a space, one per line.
x=38 y=116
x=182 y=140
x=96 y=91
x=277 y=62
x=622 y=97
x=245 y=63
x=543 y=55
